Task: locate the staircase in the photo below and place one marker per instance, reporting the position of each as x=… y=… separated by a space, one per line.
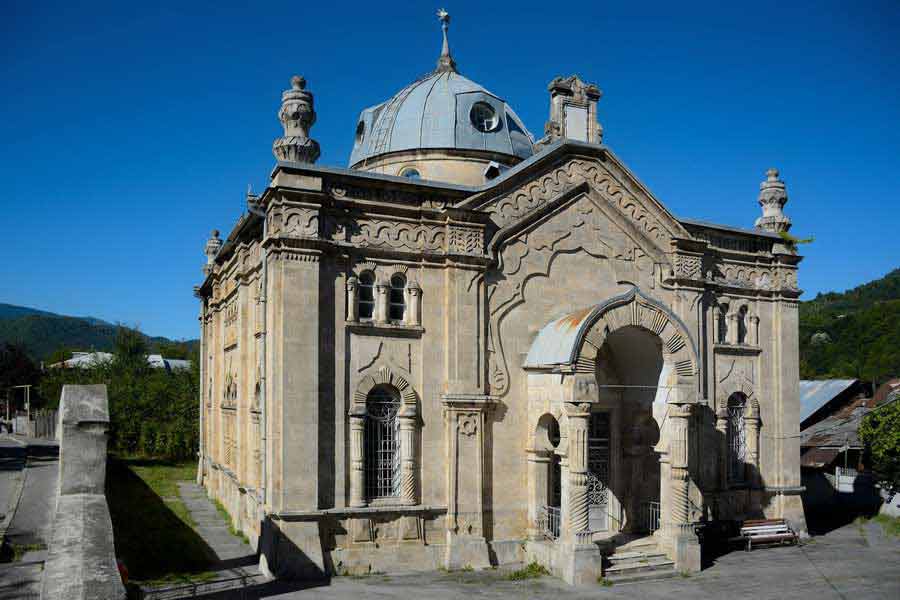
x=640 y=560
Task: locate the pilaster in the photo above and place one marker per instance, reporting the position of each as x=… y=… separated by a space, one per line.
x=465 y=416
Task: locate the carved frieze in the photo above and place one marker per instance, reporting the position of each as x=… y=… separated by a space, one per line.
x=465 y=240
x=534 y=195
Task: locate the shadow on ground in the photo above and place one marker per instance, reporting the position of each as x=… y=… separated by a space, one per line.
x=150 y=539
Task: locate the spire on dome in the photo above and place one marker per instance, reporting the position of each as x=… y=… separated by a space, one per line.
x=445 y=62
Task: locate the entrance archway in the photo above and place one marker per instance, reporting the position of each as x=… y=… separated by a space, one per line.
x=628 y=365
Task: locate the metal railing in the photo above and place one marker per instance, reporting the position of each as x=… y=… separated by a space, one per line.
x=549 y=521
x=650 y=516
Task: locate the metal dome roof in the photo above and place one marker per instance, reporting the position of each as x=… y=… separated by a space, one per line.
x=435 y=112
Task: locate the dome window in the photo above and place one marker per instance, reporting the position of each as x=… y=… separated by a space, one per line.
x=360 y=132
x=484 y=117
x=411 y=173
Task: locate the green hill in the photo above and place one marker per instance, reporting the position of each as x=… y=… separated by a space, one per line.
x=853 y=334
x=43 y=332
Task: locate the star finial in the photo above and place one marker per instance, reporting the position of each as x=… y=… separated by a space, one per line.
x=445 y=62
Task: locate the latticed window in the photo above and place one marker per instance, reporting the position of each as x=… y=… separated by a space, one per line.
x=366 y=295
x=737 y=437
x=382 y=457
x=598 y=471
x=397 y=304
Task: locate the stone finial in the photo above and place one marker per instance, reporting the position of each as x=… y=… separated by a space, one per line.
x=573 y=111
x=445 y=62
x=772 y=198
x=297 y=116
x=213 y=245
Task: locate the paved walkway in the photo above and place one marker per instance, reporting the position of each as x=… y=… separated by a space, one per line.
x=854 y=562
x=28 y=475
x=231 y=550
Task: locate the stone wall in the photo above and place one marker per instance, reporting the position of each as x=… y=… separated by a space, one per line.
x=81 y=563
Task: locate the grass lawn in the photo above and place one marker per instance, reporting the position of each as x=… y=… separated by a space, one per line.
x=154 y=533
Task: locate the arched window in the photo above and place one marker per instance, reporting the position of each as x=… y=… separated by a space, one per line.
x=366 y=295
x=722 y=325
x=382 y=445
x=742 y=325
x=397 y=298
x=737 y=438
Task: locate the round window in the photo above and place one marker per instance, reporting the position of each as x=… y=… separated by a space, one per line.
x=484 y=117
x=360 y=132
x=411 y=174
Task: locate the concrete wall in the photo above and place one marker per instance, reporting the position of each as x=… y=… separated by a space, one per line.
x=81 y=562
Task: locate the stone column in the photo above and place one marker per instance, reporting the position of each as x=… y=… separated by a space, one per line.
x=413 y=311
x=722 y=428
x=538 y=484
x=753 y=330
x=751 y=426
x=733 y=326
x=717 y=324
x=408 y=455
x=382 y=288
x=686 y=546
x=577 y=504
x=352 y=305
x=357 y=461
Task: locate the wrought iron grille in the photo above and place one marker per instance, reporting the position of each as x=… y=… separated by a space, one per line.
x=598 y=472
x=737 y=439
x=650 y=516
x=382 y=459
x=548 y=521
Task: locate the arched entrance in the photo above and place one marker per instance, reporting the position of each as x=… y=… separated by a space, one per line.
x=621 y=377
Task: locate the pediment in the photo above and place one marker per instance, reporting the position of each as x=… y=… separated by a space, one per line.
x=542 y=188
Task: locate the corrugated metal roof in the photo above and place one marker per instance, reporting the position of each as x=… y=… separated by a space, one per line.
x=558 y=342
x=814 y=394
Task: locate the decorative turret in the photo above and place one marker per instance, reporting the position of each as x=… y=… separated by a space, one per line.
x=573 y=111
x=297 y=115
x=445 y=62
x=213 y=245
x=772 y=198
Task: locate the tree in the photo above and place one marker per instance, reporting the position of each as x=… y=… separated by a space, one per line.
x=880 y=432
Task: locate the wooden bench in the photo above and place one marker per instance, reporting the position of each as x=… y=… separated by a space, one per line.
x=765 y=532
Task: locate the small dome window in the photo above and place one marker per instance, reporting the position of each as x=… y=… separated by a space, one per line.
x=360 y=132
x=411 y=173
x=484 y=117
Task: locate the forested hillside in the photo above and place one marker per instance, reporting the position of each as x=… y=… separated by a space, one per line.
x=43 y=333
x=853 y=334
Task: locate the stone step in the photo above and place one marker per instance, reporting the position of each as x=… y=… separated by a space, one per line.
x=619 y=557
x=630 y=567
x=642 y=577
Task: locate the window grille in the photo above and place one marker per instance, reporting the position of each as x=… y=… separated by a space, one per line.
x=737 y=438
x=366 y=295
x=598 y=472
x=397 y=304
x=382 y=459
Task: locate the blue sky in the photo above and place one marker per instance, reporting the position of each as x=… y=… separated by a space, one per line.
x=129 y=130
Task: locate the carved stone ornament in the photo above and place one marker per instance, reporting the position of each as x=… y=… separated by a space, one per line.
x=468 y=424
x=297 y=115
x=772 y=198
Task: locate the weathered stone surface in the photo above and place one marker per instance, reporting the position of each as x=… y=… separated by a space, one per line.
x=81 y=563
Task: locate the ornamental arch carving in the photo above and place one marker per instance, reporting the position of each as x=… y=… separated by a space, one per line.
x=384 y=375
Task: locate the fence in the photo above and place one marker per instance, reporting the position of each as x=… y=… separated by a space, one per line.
x=650 y=516
x=549 y=521
x=42 y=425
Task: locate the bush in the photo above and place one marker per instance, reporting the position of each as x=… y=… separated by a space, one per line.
x=153 y=412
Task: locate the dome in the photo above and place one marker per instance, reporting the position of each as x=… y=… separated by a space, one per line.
x=442 y=110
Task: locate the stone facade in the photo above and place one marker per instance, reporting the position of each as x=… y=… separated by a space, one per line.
x=568 y=362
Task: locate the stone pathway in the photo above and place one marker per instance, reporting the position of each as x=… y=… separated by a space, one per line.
x=28 y=474
x=231 y=550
